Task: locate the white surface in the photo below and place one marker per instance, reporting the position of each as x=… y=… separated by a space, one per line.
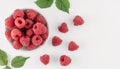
x=98 y=38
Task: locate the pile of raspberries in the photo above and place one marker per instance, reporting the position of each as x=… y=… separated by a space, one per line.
x=28 y=29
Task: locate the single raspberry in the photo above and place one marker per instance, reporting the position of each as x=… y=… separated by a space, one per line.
x=8 y=35
x=56 y=41
x=63 y=28
x=31 y=47
x=73 y=46
x=45 y=59
x=45 y=36
x=40 y=19
x=39 y=28
x=18 y=13
x=29 y=32
x=9 y=23
x=65 y=60
x=31 y=14
x=78 y=20
x=20 y=23
x=37 y=40
x=25 y=41
x=17 y=45
x=16 y=34
x=29 y=23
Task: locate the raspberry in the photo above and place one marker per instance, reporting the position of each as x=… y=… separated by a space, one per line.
x=39 y=28
x=73 y=46
x=16 y=34
x=29 y=23
x=9 y=23
x=18 y=13
x=56 y=41
x=31 y=47
x=8 y=35
x=36 y=40
x=25 y=41
x=63 y=28
x=65 y=60
x=17 y=45
x=78 y=20
x=45 y=36
x=29 y=32
x=40 y=19
x=31 y=14
x=20 y=23
x=45 y=59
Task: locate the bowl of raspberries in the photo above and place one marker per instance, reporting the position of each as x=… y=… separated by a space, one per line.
x=26 y=29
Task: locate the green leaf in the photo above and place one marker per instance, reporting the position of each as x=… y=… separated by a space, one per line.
x=3 y=58
x=18 y=61
x=44 y=3
x=63 y=5
x=7 y=67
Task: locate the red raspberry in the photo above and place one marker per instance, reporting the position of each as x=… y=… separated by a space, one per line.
x=29 y=32
x=25 y=41
x=20 y=23
x=56 y=41
x=37 y=40
x=9 y=23
x=8 y=35
x=16 y=34
x=17 y=45
x=31 y=47
x=45 y=59
x=78 y=20
x=29 y=23
x=73 y=46
x=45 y=36
x=31 y=14
x=18 y=13
x=40 y=19
x=63 y=28
x=39 y=28
x=65 y=60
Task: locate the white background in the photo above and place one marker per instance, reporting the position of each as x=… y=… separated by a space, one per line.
x=99 y=37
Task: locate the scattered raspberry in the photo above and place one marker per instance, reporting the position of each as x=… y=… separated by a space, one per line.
x=17 y=45
x=20 y=23
x=29 y=23
x=39 y=28
x=65 y=60
x=73 y=46
x=36 y=40
x=16 y=34
x=31 y=47
x=63 y=28
x=78 y=20
x=9 y=23
x=25 y=41
x=40 y=19
x=45 y=59
x=29 y=32
x=56 y=41
x=31 y=14
x=8 y=35
x=18 y=13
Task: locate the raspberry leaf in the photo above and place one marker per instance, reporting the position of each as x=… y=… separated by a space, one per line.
x=18 y=61
x=44 y=3
x=7 y=67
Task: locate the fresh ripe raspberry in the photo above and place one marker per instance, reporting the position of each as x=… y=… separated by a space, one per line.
x=31 y=14
x=39 y=28
x=37 y=40
x=65 y=60
x=40 y=19
x=17 y=45
x=8 y=35
x=18 y=13
x=16 y=34
x=45 y=59
x=29 y=32
x=63 y=28
x=25 y=41
x=20 y=23
x=56 y=41
x=45 y=36
x=29 y=23
x=9 y=23
x=31 y=47
x=78 y=20
x=73 y=46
